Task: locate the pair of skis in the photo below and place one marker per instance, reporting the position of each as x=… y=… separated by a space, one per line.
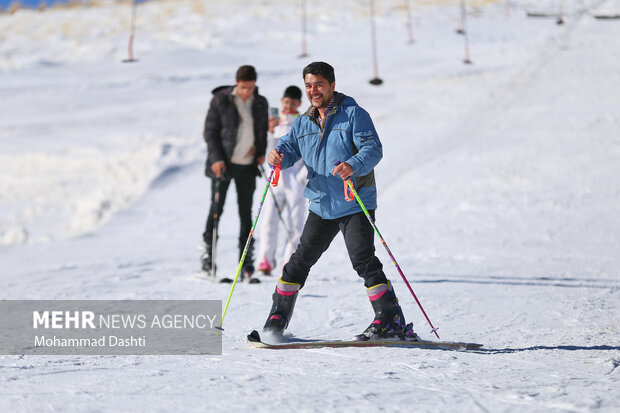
x=255 y=341
x=254 y=337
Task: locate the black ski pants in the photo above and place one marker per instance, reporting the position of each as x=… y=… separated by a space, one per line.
x=245 y=183
x=318 y=234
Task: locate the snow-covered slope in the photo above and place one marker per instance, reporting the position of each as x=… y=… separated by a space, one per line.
x=499 y=193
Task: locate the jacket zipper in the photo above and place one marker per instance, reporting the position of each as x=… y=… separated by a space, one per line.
x=327 y=115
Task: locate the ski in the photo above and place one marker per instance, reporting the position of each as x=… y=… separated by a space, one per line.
x=251 y=280
x=208 y=276
x=255 y=341
x=543 y=15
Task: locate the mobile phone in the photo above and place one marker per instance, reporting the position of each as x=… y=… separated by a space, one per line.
x=273 y=113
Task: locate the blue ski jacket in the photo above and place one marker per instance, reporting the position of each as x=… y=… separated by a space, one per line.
x=348 y=135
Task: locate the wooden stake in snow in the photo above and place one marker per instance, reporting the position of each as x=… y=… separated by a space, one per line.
x=134 y=12
x=409 y=22
x=304 y=52
x=373 y=40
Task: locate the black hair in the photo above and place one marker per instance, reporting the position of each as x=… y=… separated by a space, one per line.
x=246 y=73
x=320 y=68
x=292 y=92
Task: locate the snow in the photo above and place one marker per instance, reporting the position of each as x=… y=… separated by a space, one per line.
x=499 y=194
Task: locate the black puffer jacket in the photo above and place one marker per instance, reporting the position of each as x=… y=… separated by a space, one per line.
x=222 y=124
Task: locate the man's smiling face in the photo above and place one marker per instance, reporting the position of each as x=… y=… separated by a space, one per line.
x=318 y=90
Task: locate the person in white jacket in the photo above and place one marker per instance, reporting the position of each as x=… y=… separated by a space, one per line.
x=289 y=192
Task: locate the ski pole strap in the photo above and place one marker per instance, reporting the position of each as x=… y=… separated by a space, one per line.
x=276 y=176
x=348 y=190
x=349 y=195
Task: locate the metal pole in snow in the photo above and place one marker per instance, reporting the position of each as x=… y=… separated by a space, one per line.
x=461 y=28
x=373 y=40
x=467 y=61
x=560 y=20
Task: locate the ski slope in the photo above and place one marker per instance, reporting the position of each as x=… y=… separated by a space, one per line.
x=499 y=194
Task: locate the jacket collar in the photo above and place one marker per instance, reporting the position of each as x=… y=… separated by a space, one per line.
x=337 y=100
x=249 y=101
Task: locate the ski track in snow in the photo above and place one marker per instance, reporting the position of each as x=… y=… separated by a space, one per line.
x=498 y=193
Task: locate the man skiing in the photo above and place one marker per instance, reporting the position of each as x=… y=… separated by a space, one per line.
x=335 y=131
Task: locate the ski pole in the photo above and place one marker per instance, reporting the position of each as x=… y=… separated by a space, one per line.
x=216 y=220
x=247 y=247
x=278 y=210
x=359 y=201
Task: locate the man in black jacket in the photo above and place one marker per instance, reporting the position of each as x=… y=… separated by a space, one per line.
x=236 y=136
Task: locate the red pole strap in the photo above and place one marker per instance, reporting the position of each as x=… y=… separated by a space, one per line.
x=276 y=176
x=348 y=192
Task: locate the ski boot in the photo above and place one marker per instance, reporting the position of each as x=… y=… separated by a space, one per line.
x=282 y=309
x=247 y=273
x=265 y=266
x=410 y=335
x=389 y=320
x=247 y=270
x=206 y=261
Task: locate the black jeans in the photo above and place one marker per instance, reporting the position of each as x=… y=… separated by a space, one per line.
x=245 y=183
x=318 y=234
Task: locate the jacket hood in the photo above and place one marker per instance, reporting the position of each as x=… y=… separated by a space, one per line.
x=228 y=90
x=220 y=88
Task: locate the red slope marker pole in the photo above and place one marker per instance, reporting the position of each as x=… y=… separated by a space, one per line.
x=132 y=34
